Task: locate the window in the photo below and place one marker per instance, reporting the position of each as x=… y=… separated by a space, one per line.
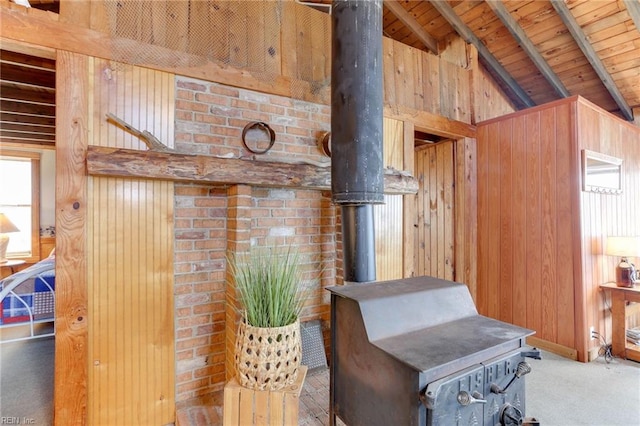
x=19 y=200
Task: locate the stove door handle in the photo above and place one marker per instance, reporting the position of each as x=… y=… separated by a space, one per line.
x=465 y=398
x=533 y=353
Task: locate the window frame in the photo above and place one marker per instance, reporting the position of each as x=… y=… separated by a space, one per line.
x=34 y=157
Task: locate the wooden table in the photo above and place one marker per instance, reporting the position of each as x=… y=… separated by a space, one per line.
x=11 y=264
x=619 y=298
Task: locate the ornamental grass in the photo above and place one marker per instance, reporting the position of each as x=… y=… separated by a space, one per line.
x=269 y=285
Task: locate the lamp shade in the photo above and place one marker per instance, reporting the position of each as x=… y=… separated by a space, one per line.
x=623 y=246
x=6 y=225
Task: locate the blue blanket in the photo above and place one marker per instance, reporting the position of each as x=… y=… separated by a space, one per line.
x=34 y=294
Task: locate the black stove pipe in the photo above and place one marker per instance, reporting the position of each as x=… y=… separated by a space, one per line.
x=357 y=179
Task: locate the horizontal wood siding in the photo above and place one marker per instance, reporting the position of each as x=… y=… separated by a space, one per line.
x=525 y=215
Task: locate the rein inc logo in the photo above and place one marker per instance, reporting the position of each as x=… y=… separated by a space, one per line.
x=7 y=420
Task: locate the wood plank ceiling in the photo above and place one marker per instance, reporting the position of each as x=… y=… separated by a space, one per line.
x=537 y=50
x=27 y=99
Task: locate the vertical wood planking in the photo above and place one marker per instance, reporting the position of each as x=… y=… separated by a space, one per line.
x=409 y=204
x=70 y=378
x=482 y=292
x=493 y=223
x=534 y=237
x=131 y=337
x=507 y=201
x=604 y=215
x=448 y=210
x=388 y=72
x=388 y=217
x=388 y=220
x=565 y=189
x=435 y=243
x=519 y=221
x=555 y=243
x=465 y=214
x=432 y=232
x=548 y=184
x=421 y=211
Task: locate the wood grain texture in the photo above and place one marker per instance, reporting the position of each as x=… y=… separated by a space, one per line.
x=388 y=217
x=192 y=168
x=551 y=233
x=604 y=215
x=519 y=235
x=466 y=214
x=434 y=167
x=130 y=256
x=71 y=358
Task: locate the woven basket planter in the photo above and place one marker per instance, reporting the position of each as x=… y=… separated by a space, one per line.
x=267 y=358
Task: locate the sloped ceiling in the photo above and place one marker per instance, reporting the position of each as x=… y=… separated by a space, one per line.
x=538 y=50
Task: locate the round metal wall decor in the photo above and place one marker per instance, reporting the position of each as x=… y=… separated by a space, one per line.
x=258 y=126
x=324 y=143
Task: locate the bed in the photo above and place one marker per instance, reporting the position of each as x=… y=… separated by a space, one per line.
x=27 y=302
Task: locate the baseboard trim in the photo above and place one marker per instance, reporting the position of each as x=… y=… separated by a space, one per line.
x=555 y=348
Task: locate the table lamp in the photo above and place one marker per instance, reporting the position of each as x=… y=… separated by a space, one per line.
x=6 y=226
x=624 y=247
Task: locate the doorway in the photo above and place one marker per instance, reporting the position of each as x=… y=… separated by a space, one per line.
x=27 y=130
x=435 y=236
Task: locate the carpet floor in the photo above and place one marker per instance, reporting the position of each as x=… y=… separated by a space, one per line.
x=26 y=382
x=560 y=392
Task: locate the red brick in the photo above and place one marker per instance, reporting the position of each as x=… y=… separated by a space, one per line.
x=184 y=94
x=240 y=104
x=191 y=106
x=212 y=99
x=191 y=85
x=225 y=91
x=210 y=119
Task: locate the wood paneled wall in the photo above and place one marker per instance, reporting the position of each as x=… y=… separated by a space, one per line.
x=540 y=237
x=605 y=215
x=389 y=217
x=130 y=256
x=436 y=211
x=527 y=213
x=294 y=59
x=422 y=81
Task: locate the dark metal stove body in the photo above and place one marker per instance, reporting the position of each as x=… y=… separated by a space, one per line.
x=416 y=352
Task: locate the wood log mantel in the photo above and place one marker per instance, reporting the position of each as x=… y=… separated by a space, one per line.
x=119 y=162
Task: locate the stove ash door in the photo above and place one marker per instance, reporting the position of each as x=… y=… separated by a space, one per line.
x=490 y=393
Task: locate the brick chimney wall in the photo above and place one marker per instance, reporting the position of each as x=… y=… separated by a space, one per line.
x=211 y=221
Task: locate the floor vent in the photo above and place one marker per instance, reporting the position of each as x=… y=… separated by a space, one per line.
x=313 y=354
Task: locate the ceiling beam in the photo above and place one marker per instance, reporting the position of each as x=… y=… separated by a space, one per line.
x=410 y=22
x=633 y=7
x=592 y=56
x=527 y=45
x=461 y=28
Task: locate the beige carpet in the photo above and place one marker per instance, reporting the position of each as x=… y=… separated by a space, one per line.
x=26 y=381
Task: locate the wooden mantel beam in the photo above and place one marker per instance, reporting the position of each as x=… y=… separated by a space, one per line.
x=118 y=162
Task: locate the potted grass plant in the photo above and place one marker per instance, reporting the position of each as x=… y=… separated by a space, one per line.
x=271 y=296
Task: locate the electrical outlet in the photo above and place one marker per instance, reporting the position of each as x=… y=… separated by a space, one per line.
x=592 y=333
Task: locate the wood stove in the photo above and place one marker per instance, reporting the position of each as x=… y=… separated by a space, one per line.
x=416 y=352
